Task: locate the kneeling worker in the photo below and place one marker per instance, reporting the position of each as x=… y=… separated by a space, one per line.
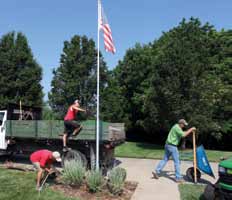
x=173 y=140
x=71 y=126
x=42 y=161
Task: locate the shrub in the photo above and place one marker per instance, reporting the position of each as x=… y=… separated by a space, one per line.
x=94 y=181
x=116 y=180
x=74 y=172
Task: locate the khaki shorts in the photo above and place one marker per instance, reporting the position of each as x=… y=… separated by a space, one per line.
x=36 y=166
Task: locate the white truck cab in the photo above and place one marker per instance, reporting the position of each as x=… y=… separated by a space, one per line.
x=3 y=118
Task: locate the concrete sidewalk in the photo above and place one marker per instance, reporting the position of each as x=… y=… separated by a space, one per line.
x=165 y=188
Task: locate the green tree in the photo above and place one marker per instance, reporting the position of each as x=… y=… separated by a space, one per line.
x=47 y=113
x=132 y=75
x=183 y=81
x=75 y=78
x=186 y=73
x=20 y=74
x=112 y=100
x=223 y=72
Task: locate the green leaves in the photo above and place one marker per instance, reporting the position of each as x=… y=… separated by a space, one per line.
x=75 y=78
x=181 y=70
x=132 y=78
x=74 y=172
x=20 y=74
x=94 y=180
x=117 y=178
x=186 y=73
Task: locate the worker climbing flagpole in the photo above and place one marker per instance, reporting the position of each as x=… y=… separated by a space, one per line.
x=103 y=26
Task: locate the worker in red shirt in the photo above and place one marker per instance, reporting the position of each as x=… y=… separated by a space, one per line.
x=71 y=127
x=42 y=161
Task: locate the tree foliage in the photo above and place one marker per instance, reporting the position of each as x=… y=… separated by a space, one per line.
x=183 y=83
x=47 y=113
x=223 y=60
x=75 y=78
x=186 y=73
x=112 y=101
x=126 y=89
x=20 y=74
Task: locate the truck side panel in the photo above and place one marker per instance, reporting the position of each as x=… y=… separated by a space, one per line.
x=21 y=128
x=52 y=129
x=57 y=128
x=44 y=129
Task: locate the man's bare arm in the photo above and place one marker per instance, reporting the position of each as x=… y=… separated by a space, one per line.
x=186 y=133
x=78 y=108
x=47 y=168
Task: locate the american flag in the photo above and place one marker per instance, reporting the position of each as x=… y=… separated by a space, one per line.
x=107 y=34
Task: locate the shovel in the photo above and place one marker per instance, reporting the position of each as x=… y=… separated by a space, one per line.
x=194 y=157
x=43 y=182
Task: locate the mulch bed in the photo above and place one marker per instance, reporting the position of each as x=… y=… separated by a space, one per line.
x=83 y=193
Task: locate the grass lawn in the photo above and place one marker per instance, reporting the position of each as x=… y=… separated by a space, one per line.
x=152 y=151
x=191 y=192
x=17 y=185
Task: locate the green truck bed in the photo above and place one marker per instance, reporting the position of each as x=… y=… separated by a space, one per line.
x=51 y=129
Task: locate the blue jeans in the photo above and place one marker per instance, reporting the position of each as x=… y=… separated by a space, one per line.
x=170 y=151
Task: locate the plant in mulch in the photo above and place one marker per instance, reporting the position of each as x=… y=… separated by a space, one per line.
x=116 y=180
x=74 y=172
x=94 y=181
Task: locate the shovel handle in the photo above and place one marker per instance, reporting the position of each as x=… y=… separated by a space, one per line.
x=194 y=157
x=44 y=181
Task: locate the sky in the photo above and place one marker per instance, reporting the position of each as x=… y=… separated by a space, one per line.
x=48 y=23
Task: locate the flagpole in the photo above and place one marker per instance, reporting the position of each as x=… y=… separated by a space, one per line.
x=98 y=79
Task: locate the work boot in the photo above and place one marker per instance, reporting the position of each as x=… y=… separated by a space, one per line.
x=155 y=175
x=179 y=180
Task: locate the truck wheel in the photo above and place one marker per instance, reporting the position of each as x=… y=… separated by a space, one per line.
x=74 y=155
x=190 y=174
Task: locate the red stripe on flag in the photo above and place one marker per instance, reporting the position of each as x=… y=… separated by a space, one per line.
x=107 y=34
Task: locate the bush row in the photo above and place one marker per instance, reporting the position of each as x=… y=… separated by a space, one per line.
x=76 y=174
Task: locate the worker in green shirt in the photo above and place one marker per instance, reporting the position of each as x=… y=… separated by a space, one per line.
x=173 y=140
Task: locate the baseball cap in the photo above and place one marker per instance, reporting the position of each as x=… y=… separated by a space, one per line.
x=56 y=155
x=76 y=101
x=183 y=121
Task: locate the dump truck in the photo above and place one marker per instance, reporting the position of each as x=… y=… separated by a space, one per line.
x=26 y=136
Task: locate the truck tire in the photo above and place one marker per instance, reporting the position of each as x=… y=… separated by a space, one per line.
x=74 y=155
x=190 y=174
